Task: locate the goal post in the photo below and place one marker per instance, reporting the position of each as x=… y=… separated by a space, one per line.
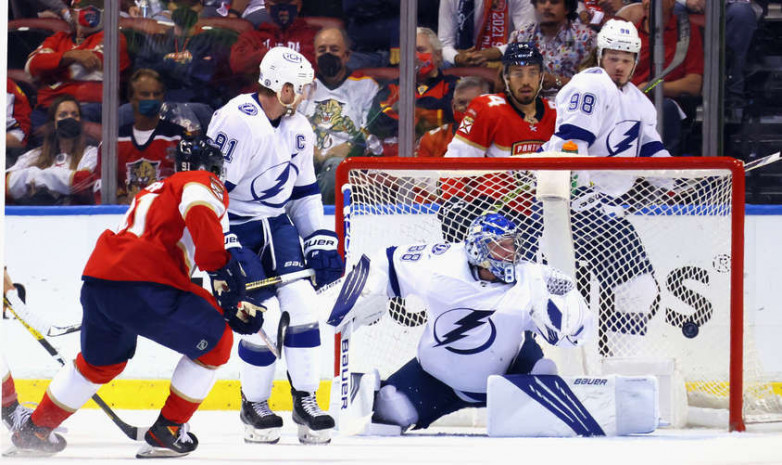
x=661 y=263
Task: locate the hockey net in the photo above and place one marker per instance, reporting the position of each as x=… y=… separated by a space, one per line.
x=684 y=242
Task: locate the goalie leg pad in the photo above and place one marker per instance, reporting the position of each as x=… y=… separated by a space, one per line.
x=553 y=406
x=394 y=407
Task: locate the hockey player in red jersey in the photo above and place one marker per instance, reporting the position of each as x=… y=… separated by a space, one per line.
x=515 y=122
x=137 y=283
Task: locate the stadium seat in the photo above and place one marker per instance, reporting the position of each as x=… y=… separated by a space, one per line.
x=26 y=83
x=491 y=75
x=237 y=25
x=381 y=74
x=323 y=21
x=144 y=25
x=25 y=35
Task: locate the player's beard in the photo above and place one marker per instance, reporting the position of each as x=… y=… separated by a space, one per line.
x=525 y=100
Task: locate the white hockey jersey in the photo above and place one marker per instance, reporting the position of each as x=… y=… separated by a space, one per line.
x=338 y=115
x=475 y=328
x=267 y=168
x=606 y=121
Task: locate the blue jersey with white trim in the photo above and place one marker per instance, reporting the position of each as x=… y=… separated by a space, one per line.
x=474 y=328
x=267 y=167
x=606 y=121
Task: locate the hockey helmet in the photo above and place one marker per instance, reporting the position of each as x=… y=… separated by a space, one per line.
x=487 y=245
x=199 y=153
x=283 y=65
x=562 y=317
x=620 y=35
x=521 y=54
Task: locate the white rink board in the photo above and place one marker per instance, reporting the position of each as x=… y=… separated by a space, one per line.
x=48 y=253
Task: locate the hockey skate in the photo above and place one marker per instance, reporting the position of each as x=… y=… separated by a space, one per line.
x=167 y=439
x=315 y=425
x=15 y=415
x=33 y=441
x=260 y=423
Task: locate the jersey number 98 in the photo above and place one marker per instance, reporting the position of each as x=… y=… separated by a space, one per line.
x=585 y=103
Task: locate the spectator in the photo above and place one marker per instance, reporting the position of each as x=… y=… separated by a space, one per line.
x=193 y=67
x=740 y=25
x=435 y=142
x=563 y=41
x=154 y=9
x=467 y=27
x=61 y=171
x=373 y=28
x=145 y=147
x=434 y=95
x=683 y=82
x=73 y=63
x=17 y=120
x=339 y=108
x=286 y=29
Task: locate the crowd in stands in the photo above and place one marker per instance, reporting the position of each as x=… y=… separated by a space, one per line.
x=181 y=60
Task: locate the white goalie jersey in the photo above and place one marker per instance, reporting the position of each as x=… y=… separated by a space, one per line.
x=477 y=326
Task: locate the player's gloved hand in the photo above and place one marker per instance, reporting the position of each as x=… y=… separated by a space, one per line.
x=228 y=284
x=320 y=250
x=246 y=318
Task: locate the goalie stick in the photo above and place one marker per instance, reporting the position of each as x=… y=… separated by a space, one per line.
x=760 y=162
x=133 y=432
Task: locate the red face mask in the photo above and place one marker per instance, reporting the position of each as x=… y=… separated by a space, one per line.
x=89 y=16
x=425 y=64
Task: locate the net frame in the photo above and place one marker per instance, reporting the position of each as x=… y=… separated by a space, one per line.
x=737 y=196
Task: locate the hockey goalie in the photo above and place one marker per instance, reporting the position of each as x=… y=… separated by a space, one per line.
x=486 y=311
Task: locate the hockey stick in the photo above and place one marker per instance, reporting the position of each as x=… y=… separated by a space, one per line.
x=282 y=279
x=132 y=432
x=682 y=44
x=760 y=162
x=55 y=331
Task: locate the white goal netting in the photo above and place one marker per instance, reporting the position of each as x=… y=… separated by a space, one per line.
x=659 y=261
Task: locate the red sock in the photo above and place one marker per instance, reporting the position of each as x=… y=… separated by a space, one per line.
x=9 y=391
x=177 y=409
x=48 y=414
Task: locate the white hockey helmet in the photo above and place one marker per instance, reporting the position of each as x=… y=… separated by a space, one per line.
x=617 y=34
x=563 y=317
x=283 y=65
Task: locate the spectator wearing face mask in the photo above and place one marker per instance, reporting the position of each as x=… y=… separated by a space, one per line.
x=433 y=94
x=61 y=172
x=145 y=147
x=286 y=29
x=338 y=109
x=72 y=63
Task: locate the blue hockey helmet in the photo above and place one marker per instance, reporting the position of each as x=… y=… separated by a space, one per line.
x=487 y=245
x=521 y=54
x=199 y=153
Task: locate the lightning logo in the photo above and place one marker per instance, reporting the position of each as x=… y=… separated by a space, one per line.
x=274 y=193
x=630 y=131
x=465 y=325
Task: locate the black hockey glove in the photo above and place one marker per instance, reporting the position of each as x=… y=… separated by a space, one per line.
x=320 y=250
x=228 y=284
x=247 y=318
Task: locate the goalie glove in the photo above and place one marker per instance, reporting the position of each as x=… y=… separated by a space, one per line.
x=228 y=284
x=246 y=318
x=320 y=250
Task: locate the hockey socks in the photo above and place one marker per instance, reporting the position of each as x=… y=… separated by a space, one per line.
x=190 y=384
x=9 y=391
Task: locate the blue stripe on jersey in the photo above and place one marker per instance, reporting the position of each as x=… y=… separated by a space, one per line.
x=303 y=336
x=303 y=191
x=570 y=132
x=553 y=393
x=229 y=186
x=392 y=278
x=256 y=356
x=650 y=148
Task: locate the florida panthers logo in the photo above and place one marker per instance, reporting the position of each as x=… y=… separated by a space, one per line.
x=622 y=141
x=272 y=187
x=328 y=120
x=140 y=174
x=465 y=331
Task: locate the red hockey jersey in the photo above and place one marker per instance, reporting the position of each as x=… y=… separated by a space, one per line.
x=172 y=226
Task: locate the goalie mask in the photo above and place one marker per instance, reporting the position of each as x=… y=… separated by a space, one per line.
x=283 y=65
x=199 y=153
x=491 y=244
x=562 y=318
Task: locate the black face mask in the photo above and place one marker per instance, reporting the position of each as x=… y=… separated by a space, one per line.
x=276 y=10
x=68 y=128
x=329 y=65
x=184 y=17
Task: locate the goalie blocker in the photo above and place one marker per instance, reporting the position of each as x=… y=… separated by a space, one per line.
x=554 y=406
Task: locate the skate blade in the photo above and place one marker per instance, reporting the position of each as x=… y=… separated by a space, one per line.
x=314 y=437
x=150 y=452
x=13 y=451
x=261 y=435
